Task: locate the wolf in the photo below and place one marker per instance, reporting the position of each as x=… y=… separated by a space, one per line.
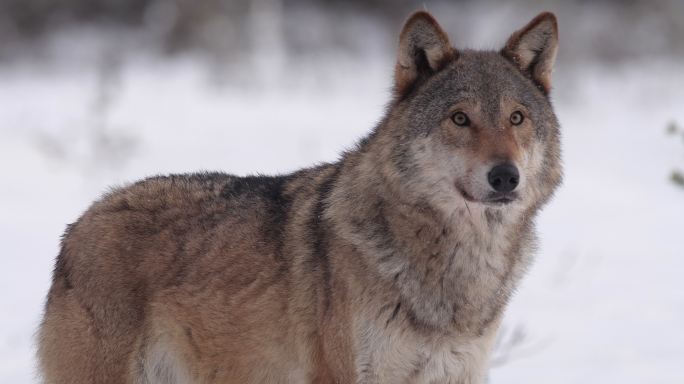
x=392 y=265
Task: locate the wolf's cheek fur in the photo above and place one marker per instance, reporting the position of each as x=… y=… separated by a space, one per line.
x=436 y=172
x=441 y=174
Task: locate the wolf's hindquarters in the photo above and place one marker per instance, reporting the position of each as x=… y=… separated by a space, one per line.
x=74 y=346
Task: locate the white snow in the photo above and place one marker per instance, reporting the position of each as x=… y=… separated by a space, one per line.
x=603 y=303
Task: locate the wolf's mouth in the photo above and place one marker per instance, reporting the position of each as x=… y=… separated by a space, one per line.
x=494 y=198
x=499 y=198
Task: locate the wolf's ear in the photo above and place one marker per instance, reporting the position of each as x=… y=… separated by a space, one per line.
x=424 y=48
x=533 y=49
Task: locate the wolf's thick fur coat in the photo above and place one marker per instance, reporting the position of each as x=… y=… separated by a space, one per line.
x=392 y=265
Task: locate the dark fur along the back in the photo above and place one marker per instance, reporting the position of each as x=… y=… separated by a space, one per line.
x=392 y=265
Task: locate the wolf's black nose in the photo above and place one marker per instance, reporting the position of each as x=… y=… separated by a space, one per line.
x=504 y=177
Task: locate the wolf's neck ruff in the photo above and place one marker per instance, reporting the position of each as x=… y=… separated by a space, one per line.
x=451 y=270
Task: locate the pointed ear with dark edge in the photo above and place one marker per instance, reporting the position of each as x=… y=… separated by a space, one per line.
x=424 y=49
x=533 y=49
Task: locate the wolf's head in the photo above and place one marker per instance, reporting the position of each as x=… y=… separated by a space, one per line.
x=473 y=127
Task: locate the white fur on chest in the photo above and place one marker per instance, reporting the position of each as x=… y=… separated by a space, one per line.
x=400 y=355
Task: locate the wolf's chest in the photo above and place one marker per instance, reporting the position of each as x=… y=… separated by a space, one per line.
x=402 y=356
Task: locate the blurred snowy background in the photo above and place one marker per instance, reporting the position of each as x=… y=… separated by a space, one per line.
x=96 y=93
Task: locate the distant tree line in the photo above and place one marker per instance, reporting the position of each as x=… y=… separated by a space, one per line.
x=618 y=28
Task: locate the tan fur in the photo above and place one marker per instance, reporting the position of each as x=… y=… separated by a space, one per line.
x=389 y=266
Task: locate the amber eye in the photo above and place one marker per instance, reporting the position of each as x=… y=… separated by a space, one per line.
x=517 y=118
x=460 y=119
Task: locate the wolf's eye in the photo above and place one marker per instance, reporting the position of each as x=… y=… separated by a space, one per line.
x=517 y=118
x=460 y=119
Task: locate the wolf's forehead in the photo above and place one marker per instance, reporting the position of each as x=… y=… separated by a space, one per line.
x=488 y=78
x=484 y=79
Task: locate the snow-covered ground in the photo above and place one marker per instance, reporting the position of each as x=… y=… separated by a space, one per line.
x=604 y=302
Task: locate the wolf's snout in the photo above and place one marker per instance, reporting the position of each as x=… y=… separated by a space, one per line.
x=504 y=177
